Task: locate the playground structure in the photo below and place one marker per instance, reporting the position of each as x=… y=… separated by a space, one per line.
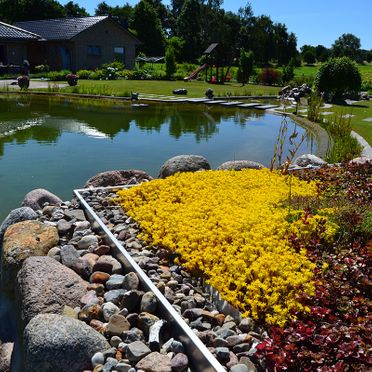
x=216 y=60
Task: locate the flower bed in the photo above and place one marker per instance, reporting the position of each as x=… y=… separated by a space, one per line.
x=234 y=229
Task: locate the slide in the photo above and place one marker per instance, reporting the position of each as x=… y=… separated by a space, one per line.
x=194 y=75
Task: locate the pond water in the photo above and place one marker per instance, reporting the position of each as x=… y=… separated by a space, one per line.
x=58 y=144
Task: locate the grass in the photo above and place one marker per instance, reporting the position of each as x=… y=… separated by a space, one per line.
x=194 y=88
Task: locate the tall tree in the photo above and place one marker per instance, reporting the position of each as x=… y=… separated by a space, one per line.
x=74 y=10
x=347 y=45
x=123 y=14
x=147 y=25
x=322 y=53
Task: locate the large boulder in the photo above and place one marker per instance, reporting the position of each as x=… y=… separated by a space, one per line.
x=36 y=199
x=5 y=356
x=240 y=164
x=17 y=215
x=57 y=343
x=118 y=177
x=45 y=286
x=309 y=160
x=183 y=163
x=22 y=240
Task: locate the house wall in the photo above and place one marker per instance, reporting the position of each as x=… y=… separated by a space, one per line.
x=106 y=35
x=14 y=53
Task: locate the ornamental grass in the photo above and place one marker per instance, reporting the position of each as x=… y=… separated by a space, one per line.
x=233 y=228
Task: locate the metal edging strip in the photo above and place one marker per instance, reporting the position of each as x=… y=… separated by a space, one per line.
x=201 y=358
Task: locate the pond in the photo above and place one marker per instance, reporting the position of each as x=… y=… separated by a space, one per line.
x=58 y=144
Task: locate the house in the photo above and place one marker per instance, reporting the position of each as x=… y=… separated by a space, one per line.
x=78 y=43
x=13 y=44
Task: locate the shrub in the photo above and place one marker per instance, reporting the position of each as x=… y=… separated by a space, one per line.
x=288 y=73
x=84 y=74
x=58 y=75
x=246 y=66
x=269 y=76
x=42 y=68
x=170 y=61
x=309 y=57
x=116 y=64
x=303 y=79
x=72 y=79
x=338 y=77
x=23 y=82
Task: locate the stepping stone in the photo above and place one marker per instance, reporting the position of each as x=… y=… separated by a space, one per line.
x=249 y=105
x=327 y=106
x=303 y=110
x=348 y=116
x=232 y=103
x=211 y=102
x=327 y=113
x=198 y=100
x=266 y=107
x=368 y=119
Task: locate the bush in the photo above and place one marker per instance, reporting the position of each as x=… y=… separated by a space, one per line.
x=72 y=79
x=303 y=79
x=269 y=76
x=23 y=82
x=116 y=64
x=309 y=57
x=170 y=61
x=84 y=74
x=42 y=68
x=57 y=75
x=288 y=73
x=338 y=77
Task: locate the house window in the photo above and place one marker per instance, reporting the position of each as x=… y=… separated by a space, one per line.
x=119 y=54
x=94 y=50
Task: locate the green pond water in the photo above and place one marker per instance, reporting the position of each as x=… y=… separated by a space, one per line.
x=58 y=144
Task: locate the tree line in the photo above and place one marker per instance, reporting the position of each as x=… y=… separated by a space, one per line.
x=189 y=26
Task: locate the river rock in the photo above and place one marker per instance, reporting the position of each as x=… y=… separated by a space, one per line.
x=117 y=177
x=240 y=164
x=136 y=351
x=36 y=199
x=309 y=159
x=22 y=240
x=109 y=309
x=149 y=303
x=17 y=215
x=46 y=286
x=183 y=163
x=117 y=325
x=54 y=343
x=131 y=281
x=155 y=362
x=179 y=362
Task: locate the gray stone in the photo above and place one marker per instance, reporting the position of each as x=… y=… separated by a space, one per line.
x=361 y=160
x=46 y=286
x=131 y=281
x=149 y=303
x=123 y=367
x=97 y=358
x=225 y=332
x=75 y=214
x=64 y=227
x=6 y=351
x=132 y=335
x=222 y=353
x=131 y=300
x=248 y=363
x=52 y=341
x=115 y=341
x=239 y=368
x=246 y=325
x=22 y=240
x=136 y=351
x=118 y=177
x=309 y=159
x=87 y=241
x=115 y=296
x=68 y=255
x=155 y=362
x=110 y=364
x=240 y=164
x=115 y=282
x=183 y=163
x=108 y=310
x=36 y=199
x=108 y=264
x=17 y=215
x=180 y=363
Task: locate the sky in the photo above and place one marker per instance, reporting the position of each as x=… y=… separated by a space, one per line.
x=313 y=21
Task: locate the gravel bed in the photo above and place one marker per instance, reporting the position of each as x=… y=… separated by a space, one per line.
x=231 y=340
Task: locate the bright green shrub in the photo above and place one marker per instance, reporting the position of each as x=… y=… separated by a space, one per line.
x=84 y=74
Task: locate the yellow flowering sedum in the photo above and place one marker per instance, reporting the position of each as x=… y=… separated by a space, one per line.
x=231 y=226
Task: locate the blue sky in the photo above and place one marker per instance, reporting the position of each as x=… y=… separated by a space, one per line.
x=314 y=22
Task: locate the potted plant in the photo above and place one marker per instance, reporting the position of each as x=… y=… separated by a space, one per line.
x=72 y=79
x=23 y=82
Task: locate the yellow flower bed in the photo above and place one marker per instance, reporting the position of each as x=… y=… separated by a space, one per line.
x=232 y=227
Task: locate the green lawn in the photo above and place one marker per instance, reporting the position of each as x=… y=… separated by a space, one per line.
x=194 y=88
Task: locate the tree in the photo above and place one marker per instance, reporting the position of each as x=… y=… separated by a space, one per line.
x=288 y=72
x=123 y=14
x=322 y=53
x=177 y=44
x=347 y=45
x=246 y=65
x=170 y=61
x=337 y=77
x=148 y=27
x=309 y=57
x=74 y=10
